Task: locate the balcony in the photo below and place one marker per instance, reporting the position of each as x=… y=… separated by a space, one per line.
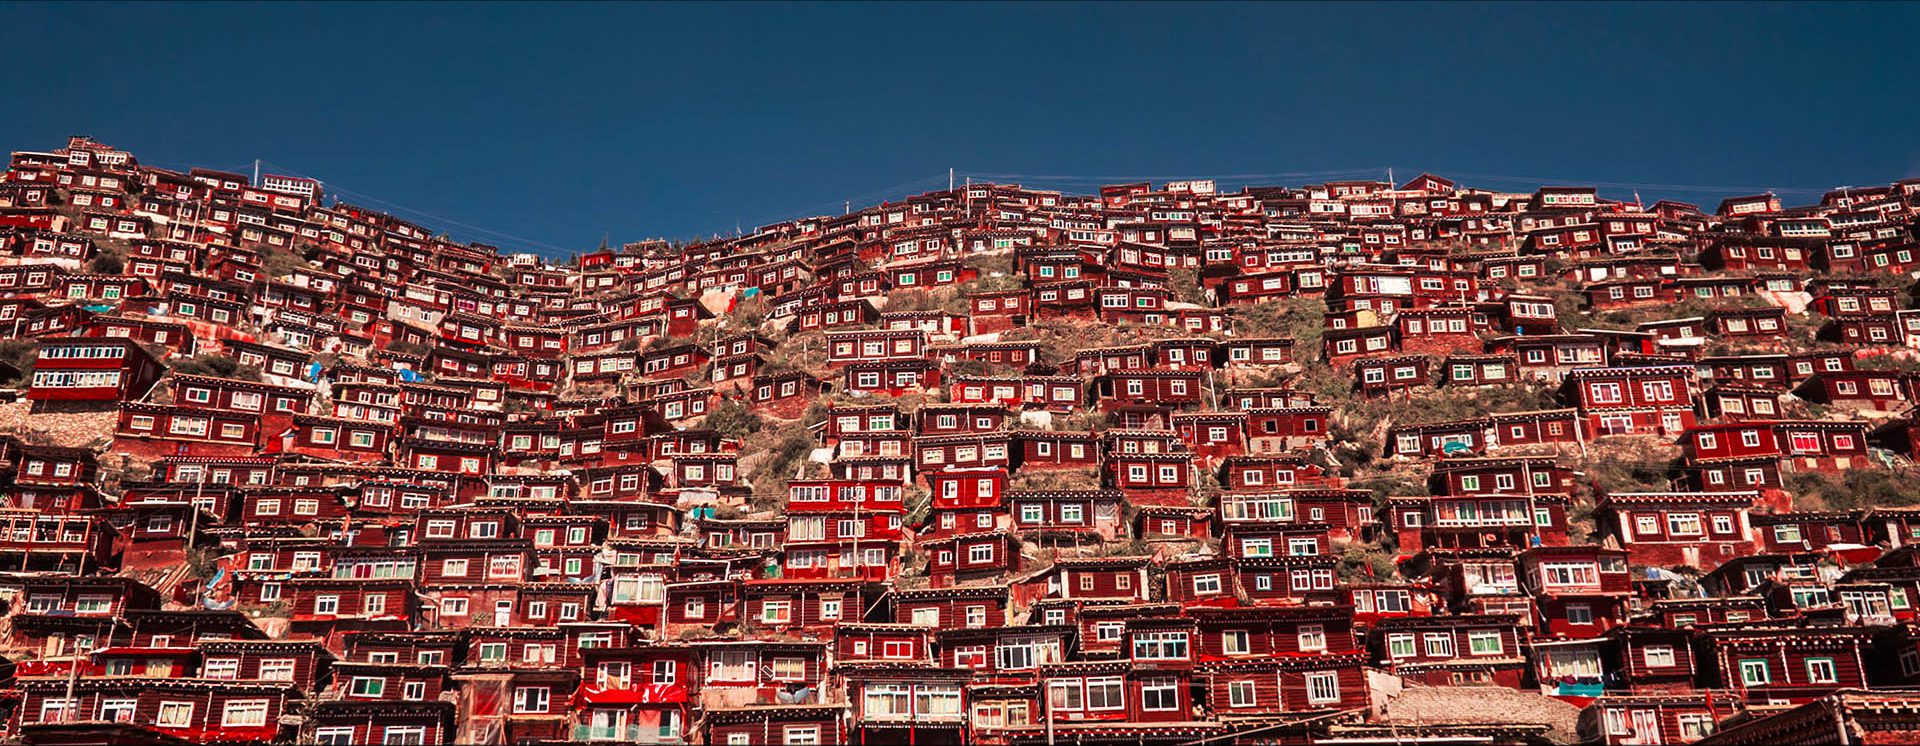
x=626 y=734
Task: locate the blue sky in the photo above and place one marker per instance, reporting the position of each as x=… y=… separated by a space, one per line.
x=547 y=126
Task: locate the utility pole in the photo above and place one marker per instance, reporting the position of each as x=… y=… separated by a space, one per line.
x=256 y=172
x=73 y=681
x=949 y=178
x=1046 y=708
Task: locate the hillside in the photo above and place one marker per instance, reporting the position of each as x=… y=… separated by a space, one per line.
x=1165 y=463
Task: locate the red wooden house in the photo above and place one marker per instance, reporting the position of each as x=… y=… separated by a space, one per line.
x=1284 y=428
x=970 y=557
x=1263 y=661
x=1380 y=376
x=1627 y=401
x=970 y=607
x=1580 y=591
x=1458 y=650
x=1089 y=577
x=912 y=703
x=87 y=369
x=998 y=311
x=1633 y=719
x=1150 y=478
x=1871 y=390
x=1179 y=389
x=1783 y=662
x=1694 y=529
x=777 y=723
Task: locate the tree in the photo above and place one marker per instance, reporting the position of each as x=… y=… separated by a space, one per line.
x=19 y=353
x=733 y=419
x=217 y=365
x=1185 y=283
x=401 y=347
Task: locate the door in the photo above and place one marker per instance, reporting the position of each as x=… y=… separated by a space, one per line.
x=1690 y=556
x=503 y=613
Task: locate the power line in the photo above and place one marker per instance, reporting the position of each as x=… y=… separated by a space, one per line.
x=1109 y=179
x=1221 y=177
x=403 y=208
x=865 y=199
x=1643 y=185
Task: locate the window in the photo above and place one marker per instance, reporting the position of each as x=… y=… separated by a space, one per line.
x=1579 y=614
x=1753 y=672
x=1439 y=644
x=368 y=686
x=1160 y=695
x=1235 y=642
x=1312 y=638
x=221 y=668
x=1105 y=694
x=1658 y=656
x=276 y=669
x=240 y=713
x=1695 y=726
x=1241 y=694
x=788 y=669
x=175 y=715
x=114 y=710
x=530 y=699
x=1822 y=671
x=1323 y=687
x=1020 y=653
x=1064 y=695
x=1160 y=645
x=1400 y=646
x=1484 y=642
